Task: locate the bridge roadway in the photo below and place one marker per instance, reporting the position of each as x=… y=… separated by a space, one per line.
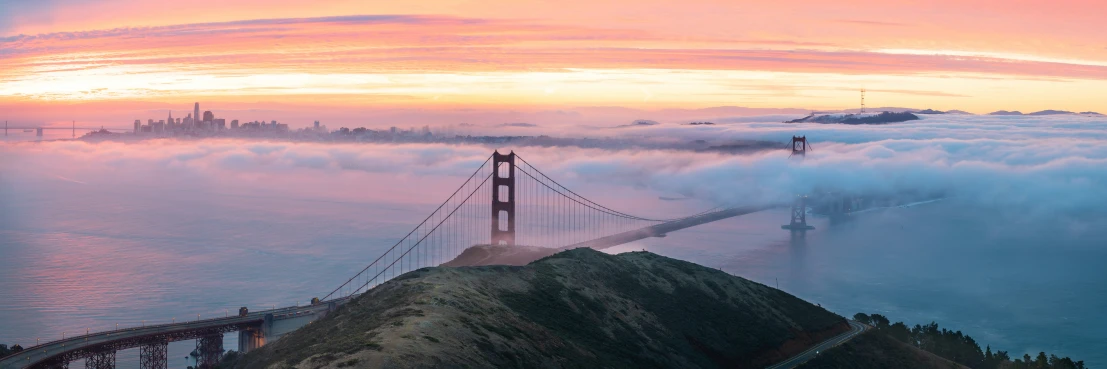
x=283 y=320
x=660 y=230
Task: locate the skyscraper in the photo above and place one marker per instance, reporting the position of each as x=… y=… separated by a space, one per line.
x=196 y=113
x=170 y=121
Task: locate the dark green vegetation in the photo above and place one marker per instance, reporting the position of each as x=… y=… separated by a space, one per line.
x=5 y=350
x=579 y=308
x=882 y=118
x=875 y=350
x=961 y=348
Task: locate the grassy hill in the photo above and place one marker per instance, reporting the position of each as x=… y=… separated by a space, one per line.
x=873 y=350
x=578 y=308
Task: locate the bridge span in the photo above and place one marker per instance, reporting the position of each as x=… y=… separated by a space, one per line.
x=505 y=202
x=98 y=349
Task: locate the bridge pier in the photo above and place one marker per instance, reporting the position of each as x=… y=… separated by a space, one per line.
x=101 y=360
x=250 y=339
x=154 y=356
x=799 y=216
x=210 y=349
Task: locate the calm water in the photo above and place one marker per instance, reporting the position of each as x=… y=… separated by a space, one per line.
x=79 y=250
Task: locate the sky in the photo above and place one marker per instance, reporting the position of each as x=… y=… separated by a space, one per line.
x=108 y=61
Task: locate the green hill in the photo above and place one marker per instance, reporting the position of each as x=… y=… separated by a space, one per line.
x=578 y=308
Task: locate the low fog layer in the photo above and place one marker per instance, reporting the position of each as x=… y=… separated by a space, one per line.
x=1038 y=164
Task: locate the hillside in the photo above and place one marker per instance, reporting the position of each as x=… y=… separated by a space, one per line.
x=881 y=118
x=578 y=308
x=875 y=350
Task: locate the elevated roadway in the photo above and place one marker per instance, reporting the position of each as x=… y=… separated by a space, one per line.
x=256 y=327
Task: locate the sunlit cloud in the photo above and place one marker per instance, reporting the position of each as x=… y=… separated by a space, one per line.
x=481 y=58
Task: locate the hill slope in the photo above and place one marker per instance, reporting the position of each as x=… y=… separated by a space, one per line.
x=875 y=350
x=578 y=308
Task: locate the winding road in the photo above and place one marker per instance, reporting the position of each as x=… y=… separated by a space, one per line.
x=855 y=329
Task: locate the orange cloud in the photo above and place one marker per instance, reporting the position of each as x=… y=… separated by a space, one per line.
x=704 y=53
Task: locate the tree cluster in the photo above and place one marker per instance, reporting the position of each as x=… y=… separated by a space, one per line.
x=5 y=350
x=961 y=348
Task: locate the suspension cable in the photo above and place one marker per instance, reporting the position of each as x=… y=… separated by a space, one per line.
x=413 y=230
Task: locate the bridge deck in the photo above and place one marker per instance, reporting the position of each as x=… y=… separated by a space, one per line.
x=137 y=336
x=664 y=228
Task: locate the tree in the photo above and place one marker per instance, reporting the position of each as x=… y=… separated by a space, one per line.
x=1041 y=362
x=900 y=332
x=863 y=318
x=880 y=321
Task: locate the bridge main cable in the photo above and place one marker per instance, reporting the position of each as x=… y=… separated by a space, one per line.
x=398 y=243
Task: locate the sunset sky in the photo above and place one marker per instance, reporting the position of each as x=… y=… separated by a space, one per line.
x=119 y=60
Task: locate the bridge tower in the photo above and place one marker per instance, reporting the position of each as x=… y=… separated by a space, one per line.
x=154 y=355
x=799 y=216
x=210 y=349
x=503 y=199
x=799 y=146
x=799 y=206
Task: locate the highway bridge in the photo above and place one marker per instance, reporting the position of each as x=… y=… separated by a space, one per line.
x=506 y=201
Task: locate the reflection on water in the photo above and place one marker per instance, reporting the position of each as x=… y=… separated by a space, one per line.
x=79 y=254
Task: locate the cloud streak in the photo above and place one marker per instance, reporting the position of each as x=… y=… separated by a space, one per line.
x=430 y=60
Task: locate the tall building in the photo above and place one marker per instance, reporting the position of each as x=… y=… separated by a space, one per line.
x=170 y=120
x=208 y=116
x=138 y=126
x=234 y=124
x=196 y=114
x=316 y=125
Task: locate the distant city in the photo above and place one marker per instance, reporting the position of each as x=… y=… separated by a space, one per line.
x=208 y=125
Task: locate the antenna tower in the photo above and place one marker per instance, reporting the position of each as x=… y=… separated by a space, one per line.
x=862 y=101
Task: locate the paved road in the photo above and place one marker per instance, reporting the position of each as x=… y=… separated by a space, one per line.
x=855 y=329
x=36 y=354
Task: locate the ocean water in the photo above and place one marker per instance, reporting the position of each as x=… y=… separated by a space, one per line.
x=88 y=245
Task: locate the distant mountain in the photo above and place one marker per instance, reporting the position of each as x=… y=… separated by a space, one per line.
x=523 y=125
x=1004 y=112
x=962 y=112
x=928 y=111
x=1091 y=113
x=1051 y=112
x=640 y=123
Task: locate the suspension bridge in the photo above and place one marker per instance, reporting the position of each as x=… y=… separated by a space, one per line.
x=506 y=201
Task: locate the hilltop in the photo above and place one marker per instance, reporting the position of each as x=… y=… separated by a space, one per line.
x=577 y=308
x=882 y=118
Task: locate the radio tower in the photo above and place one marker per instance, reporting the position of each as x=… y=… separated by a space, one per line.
x=862 y=101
